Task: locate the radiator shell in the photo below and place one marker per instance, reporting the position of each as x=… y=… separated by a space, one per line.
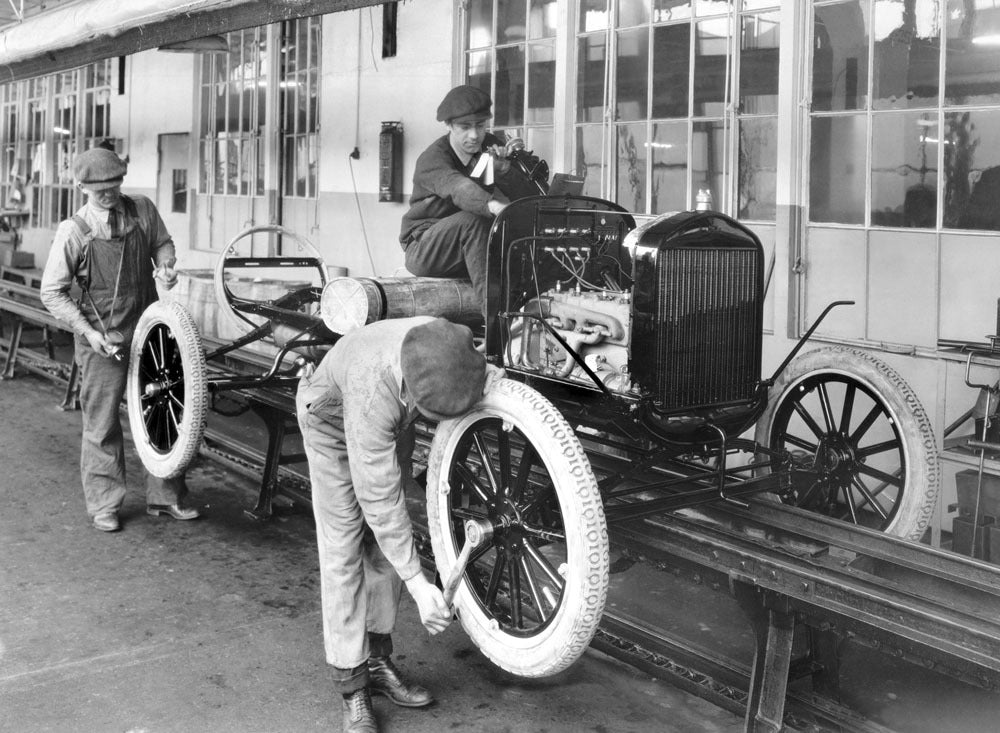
x=697 y=311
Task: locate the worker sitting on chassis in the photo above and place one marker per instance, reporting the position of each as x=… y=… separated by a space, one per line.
x=356 y=414
x=460 y=183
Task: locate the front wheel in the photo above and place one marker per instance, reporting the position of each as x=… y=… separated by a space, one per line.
x=167 y=389
x=532 y=597
x=857 y=441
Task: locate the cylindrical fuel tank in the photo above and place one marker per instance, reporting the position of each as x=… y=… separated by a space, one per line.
x=352 y=302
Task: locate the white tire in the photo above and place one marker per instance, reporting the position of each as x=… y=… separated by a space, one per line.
x=849 y=415
x=167 y=390
x=532 y=597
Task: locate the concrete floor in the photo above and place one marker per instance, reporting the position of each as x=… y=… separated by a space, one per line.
x=214 y=625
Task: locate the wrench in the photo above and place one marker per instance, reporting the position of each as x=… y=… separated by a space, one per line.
x=477 y=531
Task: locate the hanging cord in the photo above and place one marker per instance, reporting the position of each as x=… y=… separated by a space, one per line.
x=361 y=216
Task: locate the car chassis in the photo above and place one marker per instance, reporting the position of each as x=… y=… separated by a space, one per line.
x=633 y=355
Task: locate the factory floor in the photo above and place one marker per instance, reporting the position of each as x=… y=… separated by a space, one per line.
x=214 y=625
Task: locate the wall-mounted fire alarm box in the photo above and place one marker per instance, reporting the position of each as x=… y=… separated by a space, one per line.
x=390 y=162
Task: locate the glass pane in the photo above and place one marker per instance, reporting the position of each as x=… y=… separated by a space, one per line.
x=590 y=79
x=480 y=70
x=972 y=170
x=972 y=68
x=480 y=13
x=712 y=7
x=669 y=183
x=907 y=54
x=590 y=158
x=632 y=74
x=840 y=56
x=904 y=169
x=542 y=19
x=836 y=169
x=759 y=64
x=205 y=156
x=671 y=70
x=233 y=165
x=667 y=10
x=708 y=145
x=510 y=21
x=631 y=166
x=593 y=15
x=540 y=141
x=632 y=12
x=541 y=82
x=220 y=166
x=508 y=101
x=710 y=67
x=758 y=168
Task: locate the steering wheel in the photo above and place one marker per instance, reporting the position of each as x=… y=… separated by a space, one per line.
x=235 y=307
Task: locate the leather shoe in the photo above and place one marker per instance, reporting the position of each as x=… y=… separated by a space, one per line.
x=174 y=510
x=386 y=680
x=358 y=714
x=107 y=522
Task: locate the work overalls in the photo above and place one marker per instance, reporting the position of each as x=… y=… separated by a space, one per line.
x=124 y=259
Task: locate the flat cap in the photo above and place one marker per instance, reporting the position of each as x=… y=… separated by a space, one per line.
x=98 y=169
x=465 y=104
x=442 y=369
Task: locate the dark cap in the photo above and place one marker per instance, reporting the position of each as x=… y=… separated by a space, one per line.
x=98 y=169
x=465 y=104
x=442 y=369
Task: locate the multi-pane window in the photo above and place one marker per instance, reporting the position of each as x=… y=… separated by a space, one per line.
x=676 y=98
x=510 y=53
x=233 y=102
x=298 y=88
x=890 y=145
x=47 y=121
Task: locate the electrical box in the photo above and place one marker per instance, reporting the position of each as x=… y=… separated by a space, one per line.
x=390 y=162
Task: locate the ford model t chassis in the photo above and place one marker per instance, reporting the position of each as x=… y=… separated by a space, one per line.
x=634 y=387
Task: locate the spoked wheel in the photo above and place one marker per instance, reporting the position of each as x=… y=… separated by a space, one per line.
x=236 y=309
x=167 y=389
x=861 y=438
x=532 y=596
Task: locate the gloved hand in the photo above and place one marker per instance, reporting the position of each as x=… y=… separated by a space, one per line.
x=434 y=612
x=165 y=273
x=97 y=342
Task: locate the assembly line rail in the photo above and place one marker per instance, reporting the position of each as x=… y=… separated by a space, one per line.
x=791 y=571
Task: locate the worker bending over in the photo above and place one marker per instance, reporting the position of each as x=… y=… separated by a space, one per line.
x=356 y=414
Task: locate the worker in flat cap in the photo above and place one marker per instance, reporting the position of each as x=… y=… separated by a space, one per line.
x=115 y=248
x=356 y=413
x=457 y=191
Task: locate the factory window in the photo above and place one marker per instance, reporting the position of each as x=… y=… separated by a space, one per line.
x=677 y=98
x=510 y=52
x=890 y=145
x=46 y=122
x=233 y=102
x=299 y=94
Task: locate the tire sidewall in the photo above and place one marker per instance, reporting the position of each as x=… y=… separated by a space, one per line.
x=568 y=633
x=192 y=428
x=923 y=472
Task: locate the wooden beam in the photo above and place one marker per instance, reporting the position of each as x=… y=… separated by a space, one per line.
x=73 y=37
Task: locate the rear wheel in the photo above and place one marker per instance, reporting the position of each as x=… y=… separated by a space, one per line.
x=531 y=597
x=861 y=438
x=167 y=389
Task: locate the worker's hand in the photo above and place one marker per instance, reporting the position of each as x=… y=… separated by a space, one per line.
x=98 y=342
x=493 y=375
x=166 y=274
x=434 y=612
x=495 y=206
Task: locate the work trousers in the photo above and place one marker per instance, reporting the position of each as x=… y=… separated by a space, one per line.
x=102 y=449
x=360 y=590
x=453 y=247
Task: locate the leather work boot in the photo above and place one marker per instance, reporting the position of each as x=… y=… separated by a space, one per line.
x=107 y=522
x=358 y=714
x=385 y=679
x=174 y=510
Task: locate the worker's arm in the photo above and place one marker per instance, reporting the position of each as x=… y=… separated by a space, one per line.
x=374 y=417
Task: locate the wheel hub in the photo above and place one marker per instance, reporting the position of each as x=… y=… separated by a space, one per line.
x=835 y=455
